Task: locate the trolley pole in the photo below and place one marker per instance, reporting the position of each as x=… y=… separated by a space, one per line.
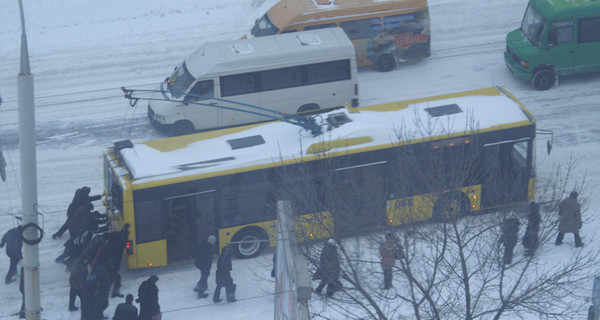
x=31 y=232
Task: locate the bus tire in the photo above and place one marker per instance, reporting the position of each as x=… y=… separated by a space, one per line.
x=182 y=127
x=543 y=79
x=308 y=107
x=248 y=243
x=450 y=206
x=385 y=63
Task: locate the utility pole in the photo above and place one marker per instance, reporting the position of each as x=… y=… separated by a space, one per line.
x=32 y=234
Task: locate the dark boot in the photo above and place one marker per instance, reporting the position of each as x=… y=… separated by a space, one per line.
x=230 y=291
x=578 y=242
x=559 y=239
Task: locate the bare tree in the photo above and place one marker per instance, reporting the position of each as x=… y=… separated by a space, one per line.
x=449 y=260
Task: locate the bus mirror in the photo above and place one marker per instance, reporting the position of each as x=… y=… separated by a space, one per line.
x=548 y=146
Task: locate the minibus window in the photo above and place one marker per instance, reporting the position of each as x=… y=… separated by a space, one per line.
x=361 y=29
x=264 y=27
x=179 y=81
x=321 y=26
x=203 y=89
x=589 y=30
x=560 y=32
x=533 y=26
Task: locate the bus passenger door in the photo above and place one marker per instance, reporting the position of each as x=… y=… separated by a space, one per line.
x=190 y=219
x=505 y=174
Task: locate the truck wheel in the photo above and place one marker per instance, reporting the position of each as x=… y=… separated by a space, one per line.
x=543 y=79
x=385 y=63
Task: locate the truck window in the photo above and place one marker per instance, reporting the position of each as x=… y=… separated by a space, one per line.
x=560 y=32
x=589 y=30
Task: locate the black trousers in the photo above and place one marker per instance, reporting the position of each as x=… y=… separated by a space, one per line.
x=387 y=278
x=561 y=235
x=12 y=270
x=202 y=284
x=73 y=293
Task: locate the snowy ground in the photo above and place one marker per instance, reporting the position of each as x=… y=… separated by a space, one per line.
x=82 y=51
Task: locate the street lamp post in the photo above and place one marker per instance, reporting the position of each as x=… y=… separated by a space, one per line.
x=32 y=233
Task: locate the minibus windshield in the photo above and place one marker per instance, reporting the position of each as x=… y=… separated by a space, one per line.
x=179 y=81
x=533 y=26
x=264 y=27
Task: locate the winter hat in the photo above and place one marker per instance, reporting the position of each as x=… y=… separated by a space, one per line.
x=211 y=239
x=574 y=194
x=153 y=278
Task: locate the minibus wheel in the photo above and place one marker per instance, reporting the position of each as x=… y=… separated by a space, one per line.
x=182 y=127
x=385 y=63
x=543 y=79
x=248 y=243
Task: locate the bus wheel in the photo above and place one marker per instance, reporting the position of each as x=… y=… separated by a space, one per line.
x=450 y=206
x=182 y=127
x=248 y=243
x=308 y=107
x=385 y=63
x=543 y=79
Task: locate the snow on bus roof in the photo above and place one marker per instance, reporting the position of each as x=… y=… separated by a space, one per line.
x=370 y=126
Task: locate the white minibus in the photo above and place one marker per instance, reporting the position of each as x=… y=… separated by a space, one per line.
x=287 y=73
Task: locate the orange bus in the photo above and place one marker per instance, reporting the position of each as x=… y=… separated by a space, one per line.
x=384 y=32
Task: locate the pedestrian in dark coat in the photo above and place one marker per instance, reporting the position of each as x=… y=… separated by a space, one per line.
x=126 y=310
x=509 y=237
x=104 y=280
x=148 y=299
x=79 y=273
x=329 y=269
x=388 y=251
x=14 y=245
x=115 y=244
x=204 y=258
x=223 y=277
x=81 y=197
x=81 y=219
x=531 y=238
x=570 y=219
x=89 y=309
x=74 y=247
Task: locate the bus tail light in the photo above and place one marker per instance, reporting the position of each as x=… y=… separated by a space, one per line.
x=356 y=89
x=129 y=248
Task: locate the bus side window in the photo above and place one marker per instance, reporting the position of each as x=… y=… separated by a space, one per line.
x=404 y=23
x=202 y=88
x=320 y=26
x=589 y=30
x=560 y=32
x=361 y=29
x=289 y=31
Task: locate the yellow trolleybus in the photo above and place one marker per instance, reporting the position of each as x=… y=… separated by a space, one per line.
x=372 y=167
x=384 y=32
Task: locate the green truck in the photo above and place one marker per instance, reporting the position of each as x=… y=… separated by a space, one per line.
x=556 y=38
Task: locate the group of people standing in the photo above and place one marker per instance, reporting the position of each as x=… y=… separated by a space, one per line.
x=204 y=257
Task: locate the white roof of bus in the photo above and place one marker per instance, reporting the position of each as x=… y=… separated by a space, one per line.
x=210 y=152
x=282 y=49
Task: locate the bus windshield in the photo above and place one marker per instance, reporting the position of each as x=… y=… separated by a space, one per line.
x=533 y=26
x=179 y=81
x=264 y=27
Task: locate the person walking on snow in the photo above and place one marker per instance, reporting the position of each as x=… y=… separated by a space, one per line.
x=509 y=237
x=569 y=211
x=148 y=299
x=14 y=245
x=531 y=238
x=204 y=258
x=223 y=277
x=329 y=269
x=388 y=252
